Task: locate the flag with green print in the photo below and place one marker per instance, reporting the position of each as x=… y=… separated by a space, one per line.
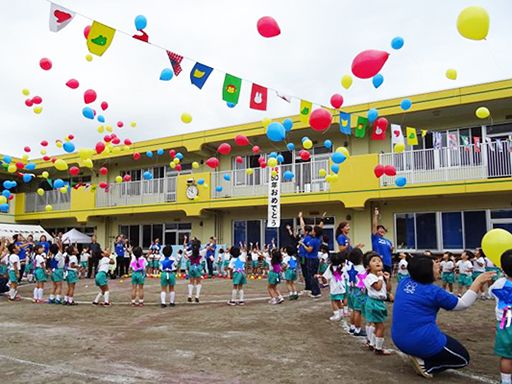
x=362 y=123
x=231 y=89
x=412 y=136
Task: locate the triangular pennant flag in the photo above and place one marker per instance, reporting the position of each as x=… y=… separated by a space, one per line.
x=452 y=141
x=142 y=37
x=59 y=17
x=412 y=136
x=231 y=89
x=345 y=123
x=284 y=97
x=424 y=132
x=199 y=74
x=175 y=62
x=258 y=97
x=305 y=110
x=378 y=133
x=100 y=37
x=397 y=136
x=362 y=123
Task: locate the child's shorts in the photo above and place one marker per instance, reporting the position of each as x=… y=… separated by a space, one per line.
x=448 y=277
x=503 y=342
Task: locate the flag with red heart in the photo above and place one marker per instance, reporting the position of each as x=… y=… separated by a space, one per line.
x=397 y=135
x=59 y=17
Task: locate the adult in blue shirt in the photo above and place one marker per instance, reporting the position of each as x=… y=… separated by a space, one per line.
x=414 y=329
x=312 y=246
x=210 y=255
x=380 y=244
x=344 y=242
x=23 y=246
x=43 y=241
x=119 y=249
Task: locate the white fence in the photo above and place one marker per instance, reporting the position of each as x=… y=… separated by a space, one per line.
x=490 y=160
x=58 y=200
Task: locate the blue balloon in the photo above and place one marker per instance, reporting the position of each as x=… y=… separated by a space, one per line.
x=400 y=181
x=166 y=74
x=4 y=207
x=397 y=42
x=276 y=131
x=406 y=104
x=149 y=154
x=101 y=118
x=227 y=177
x=280 y=158
x=338 y=157
x=88 y=113
x=27 y=178
x=328 y=144
x=377 y=80
x=13 y=184
x=335 y=168
x=179 y=155
x=7 y=159
x=290 y=146
x=372 y=115
x=58 y=183
x=69 y=147
x=147 y=175
x=7 y=184
x=273 y=154
x=231 y=105
x=288 y=175
x=140 y=22
x=304 y=139
x=6 y=193
x=200 y=181
x=160 y=152
x=30 y=166
x=288 y=124
x=218 y=188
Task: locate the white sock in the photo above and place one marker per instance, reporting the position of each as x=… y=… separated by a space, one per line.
x=66 y=299
x=12 y=293
x=41 y=293
x=369 y=333
x=172 y=295
x=70 y=299
x=241 y=293
x=357 y=330
x=345 y=310
x=352 y=327
x=97 y=299
x=506 y=378
x=373 y=340
x=133 y=301
x=52 y=297
x=340 y=312
x=190 y=290
x=57 y=298
x=379 y=343
x=107 y=294
x=162 y=297
x=198 y=290
x=233 y=295
x=36 y=290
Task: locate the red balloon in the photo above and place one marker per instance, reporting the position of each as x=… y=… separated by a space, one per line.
x=103 y=171
x=100 y=147
x=45 y=64
x=11 y=197
x=104 y=105
x=103 y=185
x=178 y=167
x=136 y=156
x=378 y=170
x=37 y=100
x=212 y=162
x=90 y=96
x=267 y=27
x=336 y=100
x=389 y=170
x=73 y=83
x=120 y=124
x=224 y=149
x=239 y=159
x=20 y=165
x=116 y=140
x=382 y=123
x=71 y=137
x=127 y=178
x=74 y=171
x=263 y=164
x=305 y=155
x=368 y=63
x=256 y=149
x=127 y=142
x=172 y=153
x=44 y=143
x=87 y=29
x=320 y=119
x=29 y=102
x=241 y=140
x=26 y=149
x=107 y=138
x=261 y=159
x=54 y=159
x=46 y=158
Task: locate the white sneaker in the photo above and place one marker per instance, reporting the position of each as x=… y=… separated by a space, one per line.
x=335 y=317
x=419 y=366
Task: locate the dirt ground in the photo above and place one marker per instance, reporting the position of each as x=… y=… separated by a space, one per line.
x=211 y=342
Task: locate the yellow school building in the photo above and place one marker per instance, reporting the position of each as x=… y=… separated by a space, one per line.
x=458 y=181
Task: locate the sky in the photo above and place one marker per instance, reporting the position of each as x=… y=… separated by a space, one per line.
x=317 y=44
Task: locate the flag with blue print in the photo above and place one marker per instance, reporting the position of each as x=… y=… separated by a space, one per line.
x=345 y=123
x=199 y=74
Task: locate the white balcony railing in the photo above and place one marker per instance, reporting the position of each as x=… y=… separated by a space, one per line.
x=137 y=192
x=306 y=179
x=489 y=160
x=58 y=200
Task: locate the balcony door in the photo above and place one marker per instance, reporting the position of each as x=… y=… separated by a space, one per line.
x=499 y=155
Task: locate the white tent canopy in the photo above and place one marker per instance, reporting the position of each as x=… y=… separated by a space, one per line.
x=75 y=236
x=8 y=230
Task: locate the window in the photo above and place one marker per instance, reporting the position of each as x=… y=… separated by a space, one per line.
x=452 y=230
x=426 y=231
x=239 y=228
x=475 y=227
x=405 y=231
x=253 y=231
x=501 y=214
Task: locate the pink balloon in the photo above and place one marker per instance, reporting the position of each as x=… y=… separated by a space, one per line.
x=336 y=100
x=103 y=171
x=74 y=171
x=44 y=143
x=382 y=123
x=37 y=100
x=127 y=142
x=100 y=147
x=127 y=178
x=241 y=140
x=116 y=141
x=103 y=185
x=107 y=138
x=104 y=105
x=120 y=124
x=224 y=149
x=87 y=29
x=73 y=83
x=239 y=159
x=29 y=102
x=212 y=162
x=267 y=27
x=45 y=64
x=172 y=153
x=178 y=167
x=368 y=63
x=26 y=149
x=320 y=119
x=90 y=96
x=255 y=149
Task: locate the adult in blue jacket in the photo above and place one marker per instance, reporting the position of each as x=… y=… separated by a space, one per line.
x=414 y=329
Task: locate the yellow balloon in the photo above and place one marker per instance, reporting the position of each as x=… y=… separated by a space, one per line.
x=45 y=174
x=101 y=129
x=451 y=74
x=63 y=190
x=334 y=177
x=266 y=121
x=176 y=160
x=195 y=165
x=43 y=151
x=108 y=128
x=87 y=163
x=48 y=208
x=11 y=168
x=116 y=149
x=399 y=147
x=40 y=191
x=25 y=92
x=307 y=144
x=24 y=157
x=273 y=173
x=328 y=178
x=346 y=81
x=249 y=171
x=272 y=162
x=3 y=199
x=495 y=242
x=186 y=117
x=172 y=164
x=119 y=179
x=344 y=151
x=205 y=185
x=58 y=143
x=322 y=172
x=133 y=124
x=473 y=23
x=38 y=110
x=61 y=165
x=88 y=57
x=482 y=113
